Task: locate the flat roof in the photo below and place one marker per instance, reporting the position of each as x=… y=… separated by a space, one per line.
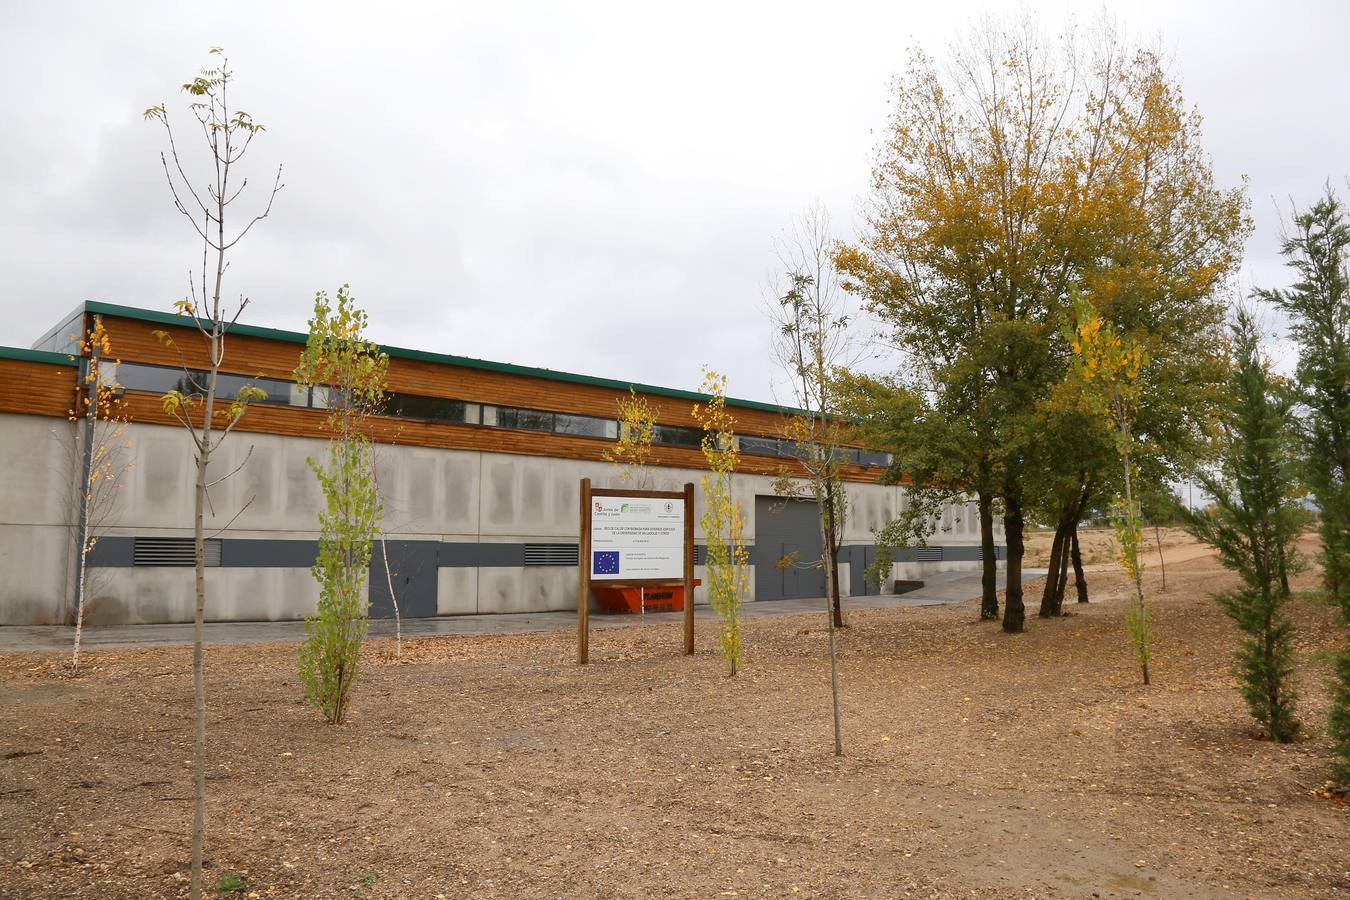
x=468 y=362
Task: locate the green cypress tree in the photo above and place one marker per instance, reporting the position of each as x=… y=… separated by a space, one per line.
x=1254 y=523
x=1318 y=304
x=1339 y=725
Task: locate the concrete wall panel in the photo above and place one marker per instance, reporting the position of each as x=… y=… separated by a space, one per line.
x=430 y=494
x=38 y=454
x=33 y=562
x=456 y=591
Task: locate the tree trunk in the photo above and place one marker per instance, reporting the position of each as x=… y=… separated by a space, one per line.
x=834 y=675
x=199 y=680
x=86 y=492
x=1162 y=564
x=1080 y=582
x=1062 y=581
x=830 y=547
x=393 y=598
x=832 y=607
x=988 y=558
x=1284 y=571
x=838 y=604
x=1058 y=552
x=1014 y=611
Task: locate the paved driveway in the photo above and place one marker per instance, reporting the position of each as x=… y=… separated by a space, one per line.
x=941 y=589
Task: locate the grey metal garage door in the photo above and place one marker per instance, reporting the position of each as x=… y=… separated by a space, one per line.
x=413 y=567
x=783 y=527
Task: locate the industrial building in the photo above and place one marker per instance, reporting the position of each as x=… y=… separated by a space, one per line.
x=479 y=469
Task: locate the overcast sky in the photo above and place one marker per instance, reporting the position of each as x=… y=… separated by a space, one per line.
x=593 y=188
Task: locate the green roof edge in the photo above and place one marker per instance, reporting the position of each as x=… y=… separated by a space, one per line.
x=468 y=362
x=39 y=356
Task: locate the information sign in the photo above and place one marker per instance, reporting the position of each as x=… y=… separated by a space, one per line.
x=637 y=538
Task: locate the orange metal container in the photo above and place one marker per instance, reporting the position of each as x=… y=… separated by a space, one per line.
x=616 y=599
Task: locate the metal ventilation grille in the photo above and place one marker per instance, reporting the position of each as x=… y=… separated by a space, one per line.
x=550 y=554
x=700 y=554
x=928 y=554
x=161 y=551
x=998 y=554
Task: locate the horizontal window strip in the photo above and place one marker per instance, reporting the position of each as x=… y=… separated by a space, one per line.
x=192 y=382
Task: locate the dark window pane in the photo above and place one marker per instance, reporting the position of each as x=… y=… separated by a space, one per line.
x=674 y=434
x=229 y=386
x=873 y=458
x=564 y=423
x=758 y=445
x=763 y=446
x=526 y=419
x=159 y=379
x=437 y=409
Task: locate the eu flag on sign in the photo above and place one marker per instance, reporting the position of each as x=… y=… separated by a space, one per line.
x=605 y=562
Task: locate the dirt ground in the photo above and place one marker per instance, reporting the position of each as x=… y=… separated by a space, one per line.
x=977 y=764
x=1099 y=548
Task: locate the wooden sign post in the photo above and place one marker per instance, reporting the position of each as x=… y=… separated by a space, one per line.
x=634 y=539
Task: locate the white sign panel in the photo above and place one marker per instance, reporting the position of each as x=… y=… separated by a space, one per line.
x=637 y=537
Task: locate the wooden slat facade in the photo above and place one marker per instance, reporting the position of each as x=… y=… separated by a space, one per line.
x=50 y=390
x=134 y=341
x=36 y=388
x=268 y=418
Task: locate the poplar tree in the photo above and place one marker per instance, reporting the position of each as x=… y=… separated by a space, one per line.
x=1254 y=523
x=350 y=372
x=1109 y=367
x=723 y=519
x=632 y=450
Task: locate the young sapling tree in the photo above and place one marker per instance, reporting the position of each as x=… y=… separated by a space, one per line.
x=350 y=371
x=103 y=443
x=723 y=519
x=228 y=134
x=632 y=451
x=1112 y=366
x=811 y=345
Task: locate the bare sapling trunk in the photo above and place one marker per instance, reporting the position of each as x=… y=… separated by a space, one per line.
x=388 y=575
x=812 y=343
x=393 y=597
x=832 y=607
x=227 y=134
x=86 y=500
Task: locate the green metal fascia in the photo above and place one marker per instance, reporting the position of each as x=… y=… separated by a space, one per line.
x=295 y=337
x=39 y=356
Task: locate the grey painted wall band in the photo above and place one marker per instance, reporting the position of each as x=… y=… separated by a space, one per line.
x=263 y=553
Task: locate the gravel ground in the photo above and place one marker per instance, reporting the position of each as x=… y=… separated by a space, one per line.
x=976 y=764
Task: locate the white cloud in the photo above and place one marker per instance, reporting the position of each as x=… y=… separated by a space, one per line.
x=552 y=185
